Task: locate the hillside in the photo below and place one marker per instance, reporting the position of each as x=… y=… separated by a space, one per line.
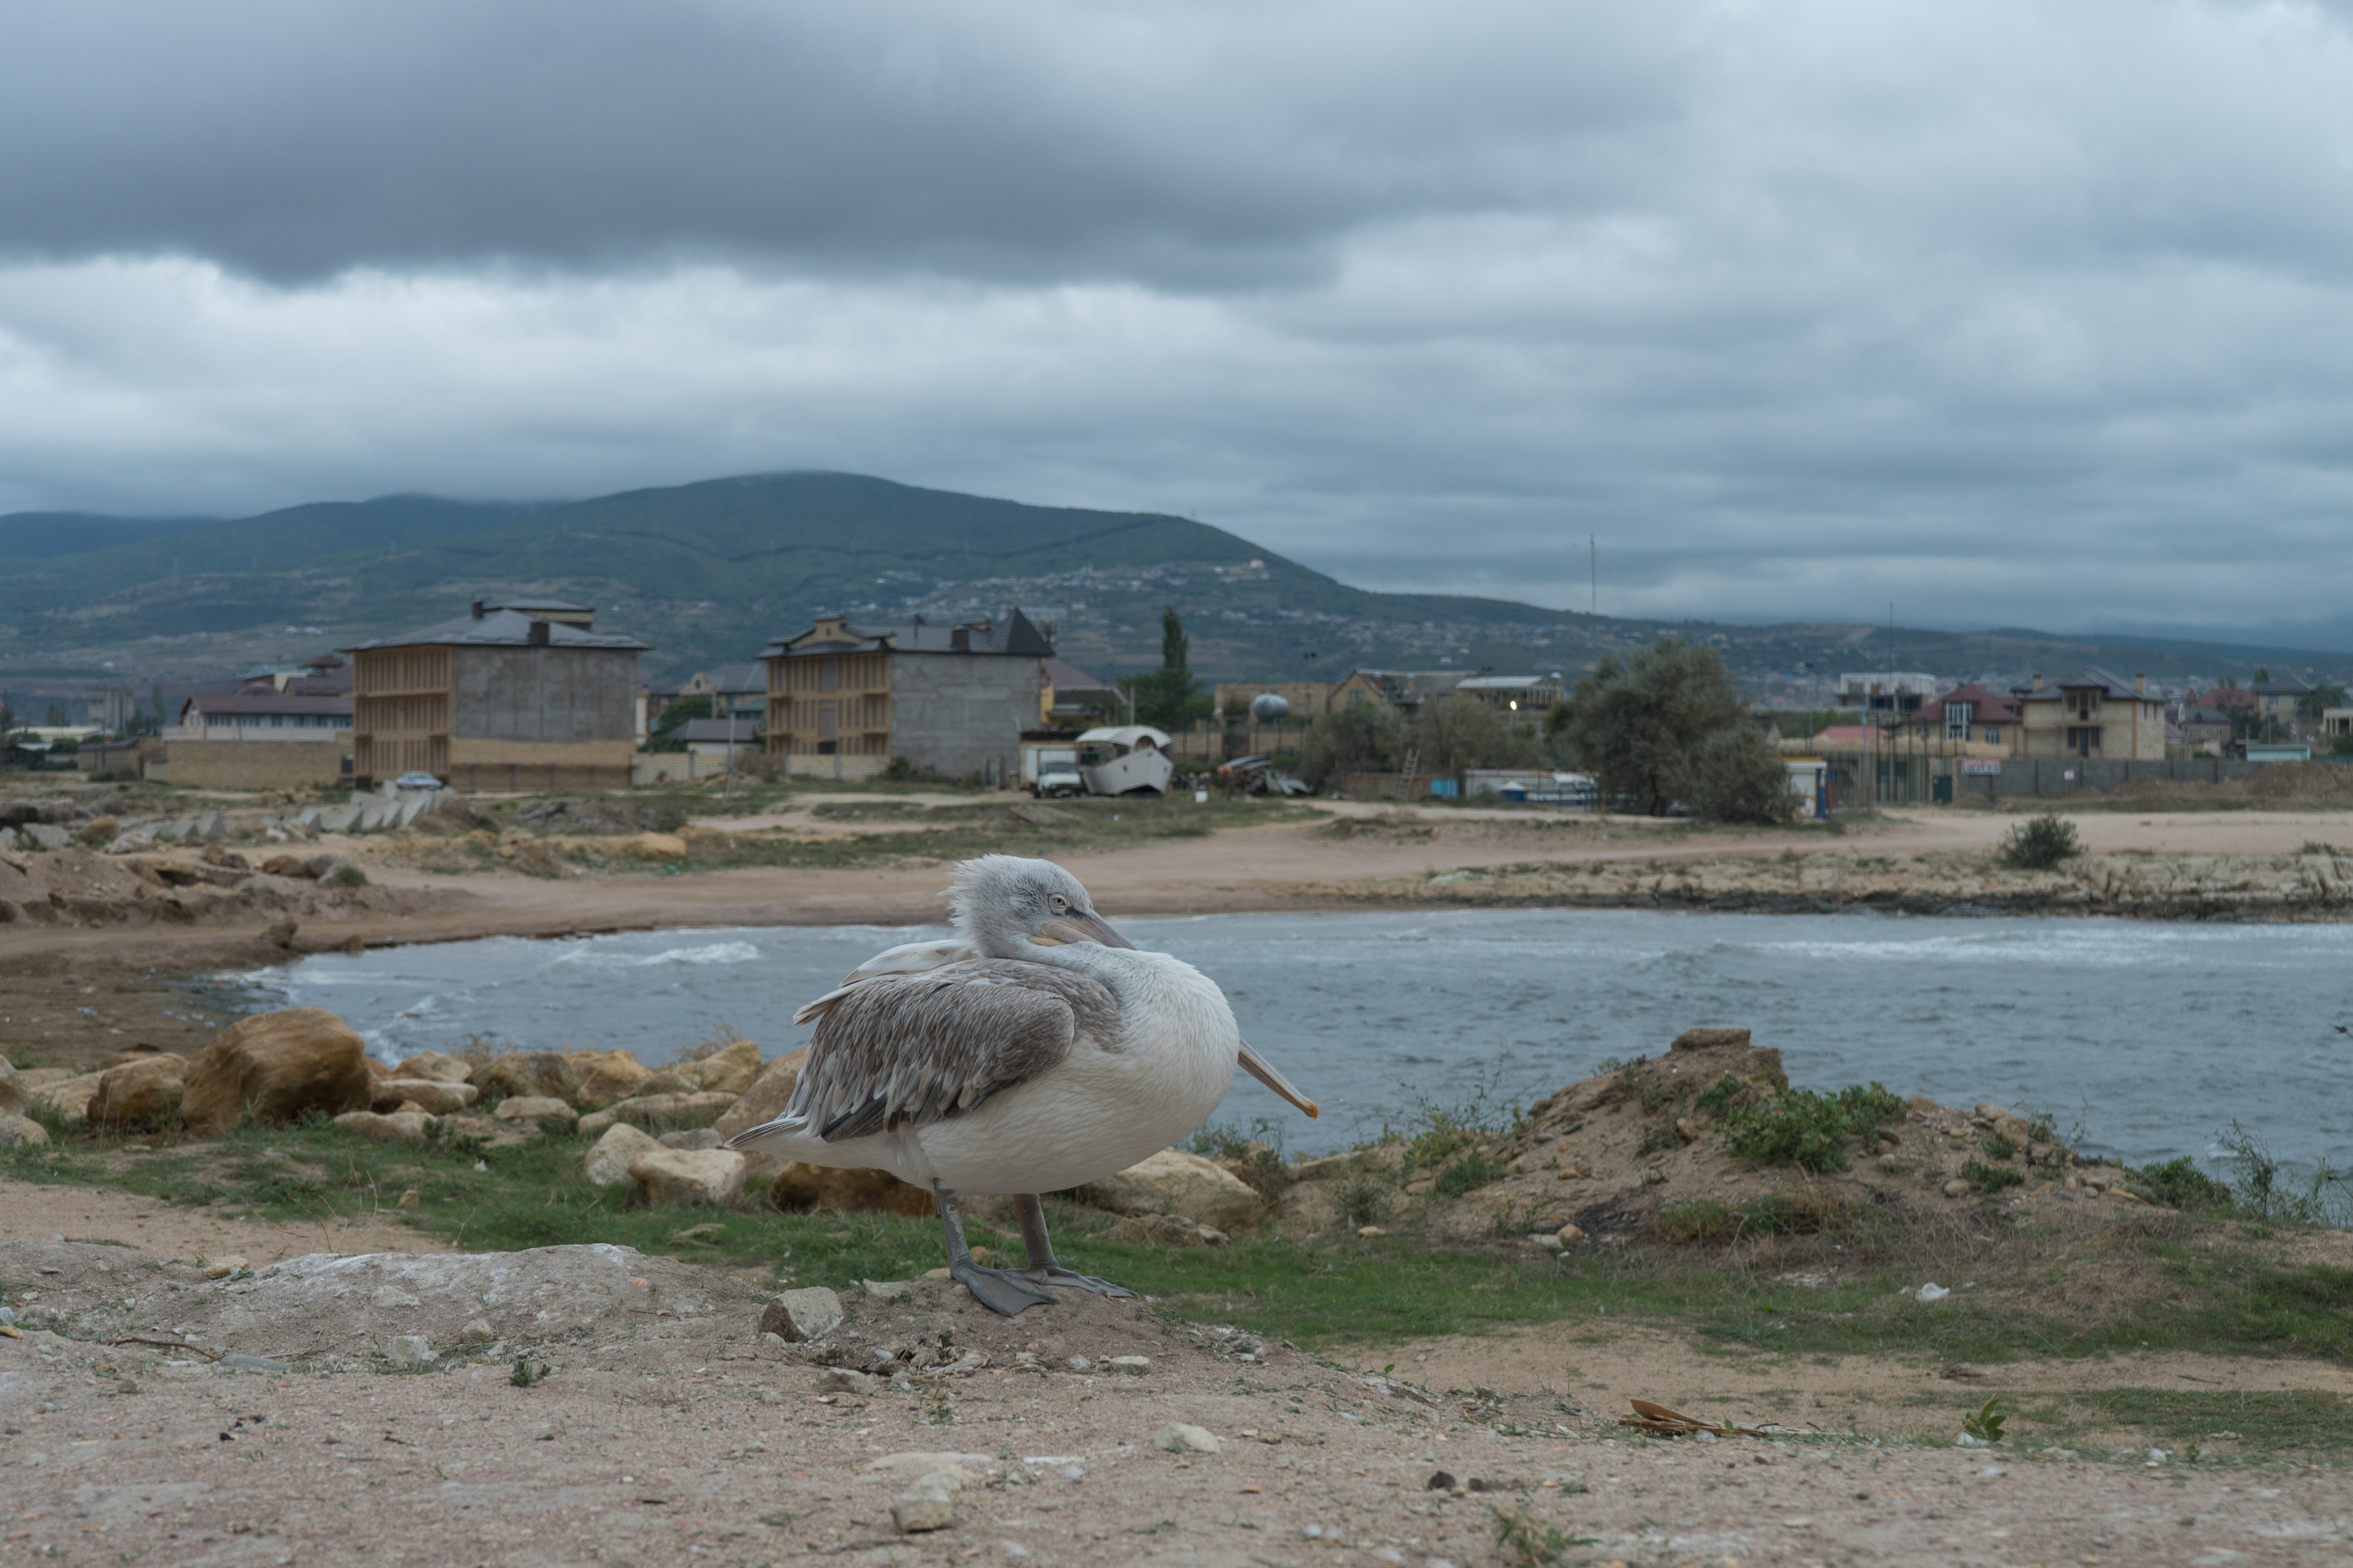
x=708 y=572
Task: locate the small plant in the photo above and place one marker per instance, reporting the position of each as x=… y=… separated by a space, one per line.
x=1992 y=1178
x=1467 y=1174
x=1985 y=1422
x=524 y=1374
x=2039 y=843
x=1524 y=1541
x=344 y=876
x=1719 y=1097
x=1998 y=1147
x=1362 y=1202
x=2264 y=1192
x=1767 y=1213
x=2179 y=1184
x=942 y=1413
x=1808 y=1130
x=1258 y=1153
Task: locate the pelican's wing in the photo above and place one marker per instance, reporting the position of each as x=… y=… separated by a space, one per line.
x=901 y=1049
x=908 y=958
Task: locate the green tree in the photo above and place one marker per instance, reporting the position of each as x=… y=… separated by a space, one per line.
x=2313 y=703
x=1361 y=738
x=1667 y=724
x=662 y=734
x=1459 y=732
x=1172 y=697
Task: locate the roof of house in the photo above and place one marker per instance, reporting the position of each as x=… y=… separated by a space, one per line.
x=734 y=678
x=2224 y=697
x=263 y=699
x=1987 y=707
x=1070 y=678
x=2282 y=686
x=742 y=731
x=2106 y=684
x=1405 y=686
x=539 y=605
x=1845 y=734
x=502 y=628
x=1505 y=682
x=1013 y=636
x=2204 y=716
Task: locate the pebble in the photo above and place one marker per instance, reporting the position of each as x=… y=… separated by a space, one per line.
x=222 y=1267
x=410 y=1350
x=1183 y=1437
x=928 y=1504
x=842 y=1380
x=1129 y=1365
x=802 y=1315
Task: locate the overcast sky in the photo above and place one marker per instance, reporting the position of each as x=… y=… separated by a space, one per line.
x=2014 y=314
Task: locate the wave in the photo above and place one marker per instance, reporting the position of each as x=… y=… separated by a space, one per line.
x=712 y=953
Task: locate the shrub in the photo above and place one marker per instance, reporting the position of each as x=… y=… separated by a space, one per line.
x=1467 y=1174
x=1992 y=1178
x=1718 y=1097
x=1808 y=1129
x=2179 y=1184
x=1363 y=1202
x=1736 y=775
x=2039 y=843
x=344 y=876
x=1767 y=1213
x=1998 y=1147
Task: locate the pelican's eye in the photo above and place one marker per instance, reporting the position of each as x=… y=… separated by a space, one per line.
x=1061 y=904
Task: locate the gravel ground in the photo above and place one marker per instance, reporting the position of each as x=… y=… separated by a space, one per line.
x=670 y=1431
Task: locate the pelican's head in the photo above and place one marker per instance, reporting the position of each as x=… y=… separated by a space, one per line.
x=1009 y=908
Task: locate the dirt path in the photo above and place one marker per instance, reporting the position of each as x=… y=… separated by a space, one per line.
x=31 y=1211
x=667 y=1432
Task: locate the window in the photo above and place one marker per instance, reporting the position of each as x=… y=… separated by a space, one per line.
x=1957 y=720
x=1993 y=734
x=2083 y=739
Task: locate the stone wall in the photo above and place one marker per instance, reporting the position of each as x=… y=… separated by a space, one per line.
x=544 y=696
x=258 y=764
x=957 y=713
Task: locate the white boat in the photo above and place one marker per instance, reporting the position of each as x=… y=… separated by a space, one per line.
x=1125 y=759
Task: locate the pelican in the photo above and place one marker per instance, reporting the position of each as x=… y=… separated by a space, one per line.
x=1036 y=1049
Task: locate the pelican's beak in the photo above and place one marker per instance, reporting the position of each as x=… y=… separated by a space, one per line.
x=1258 y=1068
x=1088 y=927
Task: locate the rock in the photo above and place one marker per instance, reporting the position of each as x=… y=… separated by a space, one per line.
x=141 y=1093
x=694 y=1138
x=436 y=1066
x=1183 y=1437
x=607 y=1164
x=665 y=1080
x=841 y=1380
x=887 y=1289
x=1174 y=1181
x=410 y=1350
x=477 y=1332
x=1959 y=1188
x=1569 y=1236
x=222 y=1267
x=288 y=866
x=1381 y=1158
x=928 y=1504
x=388 y=1127
x=69 y=1098
x=606 y=1077
x=654 y=846
x=1709 y=1039
x=732 y=1070
x=528 y=1110
x=798 y=1316
x=132 y=843
x=22 y=1132
x=390 y=1296
x=102 y=828
x=767 y=1098
x=687 y=1177
x=13 y=1095
x=433 y=1094
x=41 y=835
x=1369 y=1231
x=539 y=1075
x=1165 y=1230
x=696 y=1109
x=1129 y=1365
x=800 y=1188
x=275 y=1066
x=1688 y=1130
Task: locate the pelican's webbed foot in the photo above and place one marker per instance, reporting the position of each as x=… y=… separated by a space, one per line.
x=1043 y=1268
x=1000 y=1290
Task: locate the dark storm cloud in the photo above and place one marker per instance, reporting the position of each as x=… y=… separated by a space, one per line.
x=2008 y=312
x=1192 y=144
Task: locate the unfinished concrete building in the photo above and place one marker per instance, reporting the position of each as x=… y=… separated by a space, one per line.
x=519 y=695
x=844 y=699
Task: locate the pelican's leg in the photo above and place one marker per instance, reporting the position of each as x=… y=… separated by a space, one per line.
x=1042 y=1266
x=998 y=1289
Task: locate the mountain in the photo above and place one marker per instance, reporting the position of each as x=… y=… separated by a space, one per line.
x=708 y=572
x=40 y=535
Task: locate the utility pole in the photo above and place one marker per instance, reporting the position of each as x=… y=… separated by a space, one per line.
x=1592 y=575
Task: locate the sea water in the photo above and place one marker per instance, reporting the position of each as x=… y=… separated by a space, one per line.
x=2139 y=1039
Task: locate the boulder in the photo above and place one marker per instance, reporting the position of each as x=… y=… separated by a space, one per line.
x=687 y=1178
x=667 y=1080
x=441 y=1099
x=799 y=1188
x=801 y=1315
x=1175 y=1182
x=607 y=1164
x=733 y=1070
x=275 y=1066
x=692 y=1138
x=661 y=1111
x=539 y=1074
x=606 y=1077
x=436 y=1066
x=1165 y=1230
x=767 y=1098
x=14 y=1096
x=654 y=846
x=69 y=1098
x=1386 y=1159
x=288 y=866
x=141 y=1093
x=928 y=1504
x=22 y=1132
x=530 y=1109
x=41 y=835
x=392 y=1127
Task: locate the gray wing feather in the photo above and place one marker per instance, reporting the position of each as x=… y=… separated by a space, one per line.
x=898 y=1050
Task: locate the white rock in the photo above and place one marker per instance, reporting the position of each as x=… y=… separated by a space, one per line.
x=1182 y=1437
x=530 y=1108
x=692 y=1178
x=391 y=1296
x=800 y=1315
x=1931 y=1291
x=410 y=1350
x=1174 y=1181
x=1129 y=1365
x=607 y=1164
x=928 y=1504
x=842 y=1380
x=888 y=1290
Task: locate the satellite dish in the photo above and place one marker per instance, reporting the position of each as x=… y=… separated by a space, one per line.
x=1269 y=709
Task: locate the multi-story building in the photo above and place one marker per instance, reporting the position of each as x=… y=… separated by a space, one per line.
x=2093 y=713
x=1970 y=715
x=845 y=699
x=512 y=696
x=2276 y=699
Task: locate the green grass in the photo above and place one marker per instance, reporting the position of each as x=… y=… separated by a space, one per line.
x=2256 y=1421
x=1809 y=1129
